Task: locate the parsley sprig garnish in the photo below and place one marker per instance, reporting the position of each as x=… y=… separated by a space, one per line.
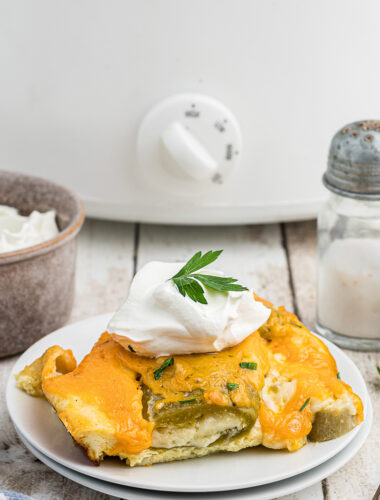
x=188 y=281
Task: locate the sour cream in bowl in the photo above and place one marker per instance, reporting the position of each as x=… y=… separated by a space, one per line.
x=39 y=222
x=22 y=231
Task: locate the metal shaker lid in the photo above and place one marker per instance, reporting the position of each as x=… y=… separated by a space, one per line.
x=353 y=167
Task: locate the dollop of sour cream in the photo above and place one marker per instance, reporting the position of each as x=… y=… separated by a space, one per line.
x=157 y=320
x=19 y=231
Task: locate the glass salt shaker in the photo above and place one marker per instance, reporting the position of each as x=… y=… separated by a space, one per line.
x=348 y=297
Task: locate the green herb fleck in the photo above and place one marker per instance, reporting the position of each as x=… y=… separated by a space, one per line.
x=188 y=283
x=249 y=365
x=378 y=369
x=231 y=386
x=295 y=324
x=304 y=405
x=187 y=401
x=168 y=362
x=131 y=348
x=338 y=375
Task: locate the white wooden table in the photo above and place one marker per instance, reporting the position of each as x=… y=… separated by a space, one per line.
x=278 y=261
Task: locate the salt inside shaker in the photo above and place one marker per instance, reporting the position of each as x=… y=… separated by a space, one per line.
x=348 y=296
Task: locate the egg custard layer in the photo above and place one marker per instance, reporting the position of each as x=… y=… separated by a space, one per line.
x=279 y=388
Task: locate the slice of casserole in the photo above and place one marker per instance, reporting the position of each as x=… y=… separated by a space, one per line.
x=279 y=387
x=154 y=410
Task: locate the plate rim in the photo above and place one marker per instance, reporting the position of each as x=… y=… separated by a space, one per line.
x=355 y=445
x=102 y=318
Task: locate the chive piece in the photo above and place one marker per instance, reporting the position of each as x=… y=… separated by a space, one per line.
x=187 y=401
x=131 y=348
x=231 y=386
x=304 y=405
x=295 y=324
x=338 y=375
x=248 y=366
x=378 y=369
x=168 y=362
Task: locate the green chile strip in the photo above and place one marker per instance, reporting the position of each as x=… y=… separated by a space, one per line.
x=187 y=401
x=248 y=365
x=168 y=362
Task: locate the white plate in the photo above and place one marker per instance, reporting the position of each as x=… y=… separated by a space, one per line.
x=265 y=492
x=225 y=471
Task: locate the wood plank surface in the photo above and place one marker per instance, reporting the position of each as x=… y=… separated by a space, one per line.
x=279 y=262
x=105 y=264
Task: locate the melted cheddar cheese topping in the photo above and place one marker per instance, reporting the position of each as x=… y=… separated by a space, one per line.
x=206 y=372
x=102 y=380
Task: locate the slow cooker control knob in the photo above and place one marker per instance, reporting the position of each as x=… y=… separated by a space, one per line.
x=188 y=144
x=189 y=155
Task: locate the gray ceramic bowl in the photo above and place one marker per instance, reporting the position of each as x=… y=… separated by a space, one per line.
x=37 y=283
